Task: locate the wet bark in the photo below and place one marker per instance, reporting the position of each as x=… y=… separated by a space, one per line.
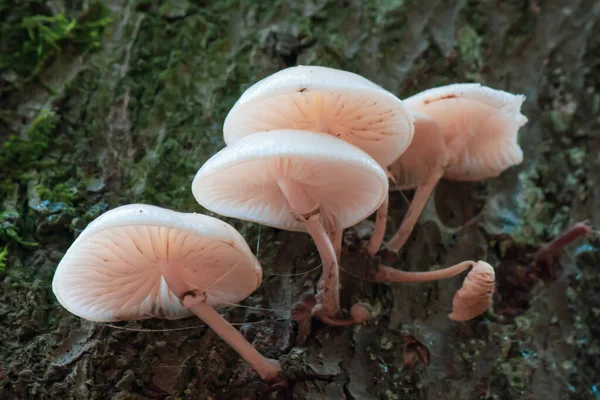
x=136 y=117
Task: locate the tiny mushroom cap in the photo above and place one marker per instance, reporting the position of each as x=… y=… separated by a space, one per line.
x=361 y=312
x=475 y=295
x=244 y=180
x=480 y=127
x=321 y=99
x=113 y=269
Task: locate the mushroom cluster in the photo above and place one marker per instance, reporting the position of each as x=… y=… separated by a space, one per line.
x=310 y=149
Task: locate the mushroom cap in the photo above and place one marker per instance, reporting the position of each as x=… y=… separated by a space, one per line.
x=241 y=180
x=425 y=157
x=321 y=99
x=361 y=312
x=480 y=127
x=112 y=270
x=475 y=295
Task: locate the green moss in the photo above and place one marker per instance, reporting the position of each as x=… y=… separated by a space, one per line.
x=10 y=232
x=63 y=192
x=469 y=51
x=558 y=122
x=3 y=259
x=31 y=43
x=23 y=152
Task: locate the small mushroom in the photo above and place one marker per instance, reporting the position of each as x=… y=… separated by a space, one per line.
x=470 y=301
x=475 y=295
x=359 y=314
x=328 y=100
x=299 y=181
x=140 y=261
x=463 y=132
x=389 y=274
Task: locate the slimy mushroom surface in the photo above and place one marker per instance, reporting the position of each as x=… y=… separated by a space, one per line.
x=112 y=271
x=296 y=180
x=140 y=261
x=475 y=295
x=243 y=179
x=328 y=100
x=464 y=132
x=479 y=125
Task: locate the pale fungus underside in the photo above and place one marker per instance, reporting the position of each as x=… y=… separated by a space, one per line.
x=92 y=122
x=307 y=172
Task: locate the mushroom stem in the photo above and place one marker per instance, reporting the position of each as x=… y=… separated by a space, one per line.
x=336 y=237
x=389 y=274
x=328 y=298
x=376 y=239
x=412 y=215
x=266 y=368
x=336 y=322
x=359 y=313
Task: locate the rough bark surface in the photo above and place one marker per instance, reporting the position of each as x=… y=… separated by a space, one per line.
x=131 y=117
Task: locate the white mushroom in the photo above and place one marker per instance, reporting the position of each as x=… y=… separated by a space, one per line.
x=328 y=100
x=333 y=101
x=464 y=132
x=470 y=301
x=295 y=180
x=140 y=261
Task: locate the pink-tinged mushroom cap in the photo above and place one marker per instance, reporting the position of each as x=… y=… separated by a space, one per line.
x=113 y=269
x=424 y=157
x=242 y=180
x=475 y=295
x=328 y=100
x=480 y=127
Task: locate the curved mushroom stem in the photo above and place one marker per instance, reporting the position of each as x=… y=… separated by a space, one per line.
x=336 y=237
x=266 y=368
x=336 y=322
x=412 y=215
x=388 y=274
x=359 y=313
x=550 y=251
x=328 y=297
x=376 y=239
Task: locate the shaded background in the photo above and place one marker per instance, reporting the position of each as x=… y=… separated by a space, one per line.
x=103 y=104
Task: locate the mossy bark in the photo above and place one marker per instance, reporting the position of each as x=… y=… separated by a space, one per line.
x=131 y=120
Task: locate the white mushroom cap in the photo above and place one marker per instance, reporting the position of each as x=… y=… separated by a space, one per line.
x=112 y=270
x=480 y=127
x=321 y=99
x=241 y=181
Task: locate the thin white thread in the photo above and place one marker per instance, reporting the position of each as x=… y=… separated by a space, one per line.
x=356 y=276
x=405 y=198
x=258 y=240
x=192 y=327
x=299 y=273
x=257 y=308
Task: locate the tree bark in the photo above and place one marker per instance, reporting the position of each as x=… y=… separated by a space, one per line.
x=134 y=118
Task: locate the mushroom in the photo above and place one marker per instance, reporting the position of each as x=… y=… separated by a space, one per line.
x=328 y=100
x=140 y=261
x=298 y=181
x=463 y=132
x=470 y=301
x=333 y=101
x=359 y=313
x=475 y=295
